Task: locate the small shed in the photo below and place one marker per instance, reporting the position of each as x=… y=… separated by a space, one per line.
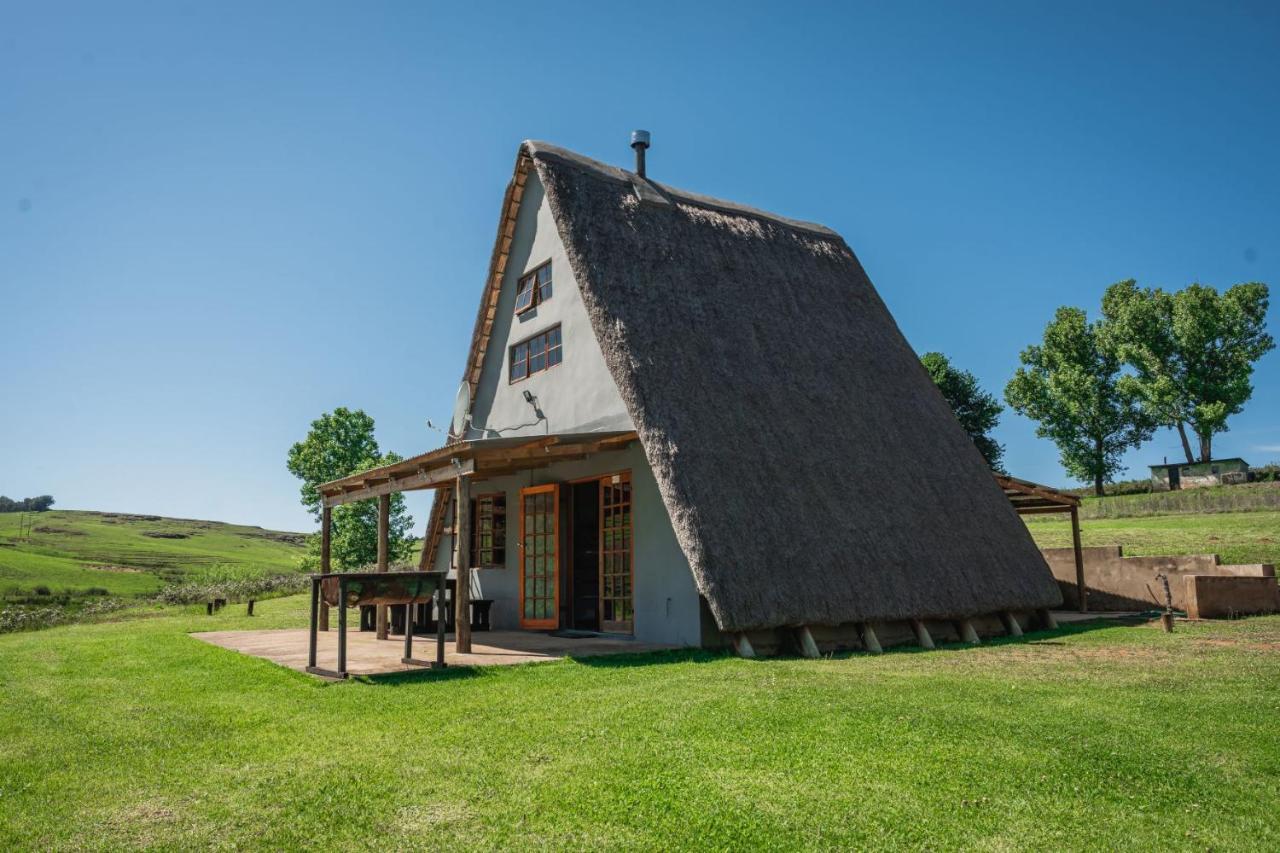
x=1168 y=477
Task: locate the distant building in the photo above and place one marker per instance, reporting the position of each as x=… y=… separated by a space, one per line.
x=1167 y=477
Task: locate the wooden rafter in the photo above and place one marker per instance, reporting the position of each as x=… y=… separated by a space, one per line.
x=437 y=468
x=1024 y=494
x=497 y=270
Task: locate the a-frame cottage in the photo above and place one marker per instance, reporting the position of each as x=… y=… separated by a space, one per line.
x=696 y=423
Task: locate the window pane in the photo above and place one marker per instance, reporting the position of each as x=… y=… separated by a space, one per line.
x=524 y=294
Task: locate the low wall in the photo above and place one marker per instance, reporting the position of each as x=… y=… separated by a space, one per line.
x=1226 y=596
x=1117 y=582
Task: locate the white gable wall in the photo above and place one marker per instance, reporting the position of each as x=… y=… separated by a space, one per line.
x=577 y=395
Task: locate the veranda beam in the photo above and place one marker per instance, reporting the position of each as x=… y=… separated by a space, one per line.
x=326 y=537
x=1082 y=592
x=462 y=566
x=384 y=520
x=424 y=479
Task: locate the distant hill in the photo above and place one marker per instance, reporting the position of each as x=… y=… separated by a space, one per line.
x=122 y=554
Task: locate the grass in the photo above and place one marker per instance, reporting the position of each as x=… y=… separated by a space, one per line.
x=1244 y=497
x=134 y=734
x=70 y=551
x=1238 y=537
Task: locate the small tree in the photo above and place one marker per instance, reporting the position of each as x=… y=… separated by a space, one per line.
x=1070 y=385
x=341 y=443
x=977 y=411
x=1192 y=352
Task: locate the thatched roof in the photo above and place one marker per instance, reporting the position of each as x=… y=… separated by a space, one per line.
x=812 y=471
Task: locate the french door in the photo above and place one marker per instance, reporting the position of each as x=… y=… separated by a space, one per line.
x=540 y=557
x=617 y=609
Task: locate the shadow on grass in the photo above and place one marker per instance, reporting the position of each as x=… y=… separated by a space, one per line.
x=679 y=656
x=1032 y=638
x=419 y=676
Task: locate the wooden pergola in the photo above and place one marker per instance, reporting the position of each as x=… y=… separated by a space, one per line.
x=1030 y=498
x=452 y=467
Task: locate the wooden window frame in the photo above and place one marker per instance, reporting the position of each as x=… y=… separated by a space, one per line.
x=536 y=288
x=476 y=501
x=529 y=355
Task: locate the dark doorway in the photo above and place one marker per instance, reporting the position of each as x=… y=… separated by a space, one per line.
x=584 y=580
x=1175 y=477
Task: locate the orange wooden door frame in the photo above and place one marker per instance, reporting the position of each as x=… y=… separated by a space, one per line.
x=551 y=575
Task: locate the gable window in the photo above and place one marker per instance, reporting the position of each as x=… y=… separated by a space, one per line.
x=541 y=352
x=489 y=531
x=534 y=288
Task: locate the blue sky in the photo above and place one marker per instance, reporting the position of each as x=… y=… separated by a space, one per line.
x=219 y=220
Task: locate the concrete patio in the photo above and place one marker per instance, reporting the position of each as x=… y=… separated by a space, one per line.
x=369 y=656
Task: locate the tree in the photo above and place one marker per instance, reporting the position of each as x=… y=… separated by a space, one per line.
x=341 y=443
x=1192 y=352
x=977 y=411
x=1070 y=385
x=37 y=504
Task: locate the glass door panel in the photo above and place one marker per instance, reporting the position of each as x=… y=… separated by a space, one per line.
x=539 y=557
x=616 y=607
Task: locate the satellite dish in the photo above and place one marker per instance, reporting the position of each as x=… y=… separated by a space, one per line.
x=461 y=410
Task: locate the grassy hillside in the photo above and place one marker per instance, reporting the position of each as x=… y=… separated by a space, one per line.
x=137 y=735
x=1239 y=537
x=1244 y=497
x=75 y=552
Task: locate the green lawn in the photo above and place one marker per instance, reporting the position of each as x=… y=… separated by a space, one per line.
x=74 y=551
x=134 y=734
x=1239 y=537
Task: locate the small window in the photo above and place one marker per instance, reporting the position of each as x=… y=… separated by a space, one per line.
x=541 y=352
x=489 y=531
x=533 y=288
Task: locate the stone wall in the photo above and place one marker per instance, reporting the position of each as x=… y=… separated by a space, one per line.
x=1226 y=597
x=1117 y=582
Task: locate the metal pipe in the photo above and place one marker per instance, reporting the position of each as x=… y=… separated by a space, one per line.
x=640 y=142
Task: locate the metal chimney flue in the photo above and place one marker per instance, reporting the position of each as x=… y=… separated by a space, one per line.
x=640 y=142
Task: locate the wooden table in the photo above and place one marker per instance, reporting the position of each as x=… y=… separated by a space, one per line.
x=390 y=588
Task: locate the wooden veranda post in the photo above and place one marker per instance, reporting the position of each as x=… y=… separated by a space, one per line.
x=1082 y=592
x=384 y=521
x=326 y=535
x=462 y=566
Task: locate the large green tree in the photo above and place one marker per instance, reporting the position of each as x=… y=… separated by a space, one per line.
x=341 y=443
x=977 y=410
x=1070 y=384
x=1192 y=352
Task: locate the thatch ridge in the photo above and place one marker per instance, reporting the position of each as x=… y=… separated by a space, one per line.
x=812 y=471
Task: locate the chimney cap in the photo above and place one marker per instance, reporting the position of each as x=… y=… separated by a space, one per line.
x=640 y=137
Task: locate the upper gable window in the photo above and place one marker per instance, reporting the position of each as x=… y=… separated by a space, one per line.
x=541 y=352
x=533 y=288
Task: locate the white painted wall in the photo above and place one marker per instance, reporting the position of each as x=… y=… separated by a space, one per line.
x=665 y=596
x=577 y=395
